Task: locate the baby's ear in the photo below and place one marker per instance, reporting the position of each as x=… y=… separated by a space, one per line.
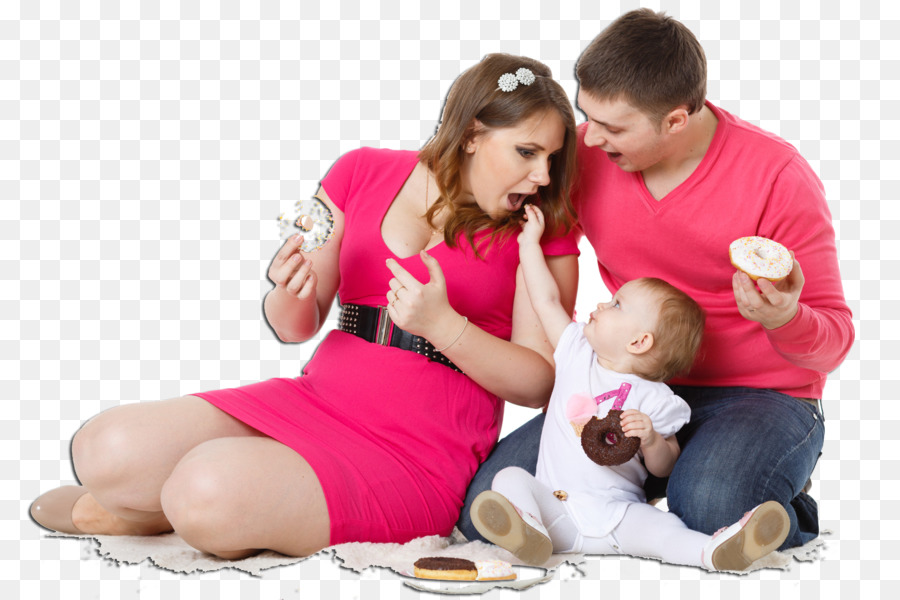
x=641 y=343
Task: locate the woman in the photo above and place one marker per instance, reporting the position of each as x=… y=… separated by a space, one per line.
x=379 y=438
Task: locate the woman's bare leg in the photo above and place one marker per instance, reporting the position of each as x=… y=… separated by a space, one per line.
x=124 y=456
x=234 y=496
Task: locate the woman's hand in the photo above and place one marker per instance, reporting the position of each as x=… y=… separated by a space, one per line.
x=421 y=308
x=772 y=304
x=296 y=308
x=293 y=272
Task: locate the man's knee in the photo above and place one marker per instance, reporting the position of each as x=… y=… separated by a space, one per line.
x=707 y=502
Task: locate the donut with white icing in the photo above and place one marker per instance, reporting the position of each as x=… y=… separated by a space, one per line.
x=761 y=257
x=313 y=219
x=494 y=570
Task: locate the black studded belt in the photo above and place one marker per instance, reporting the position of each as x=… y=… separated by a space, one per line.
x=373 y=324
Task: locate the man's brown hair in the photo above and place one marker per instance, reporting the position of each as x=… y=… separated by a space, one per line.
x=647 y=59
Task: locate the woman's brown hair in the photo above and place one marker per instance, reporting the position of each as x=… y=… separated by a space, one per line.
x=475 y=95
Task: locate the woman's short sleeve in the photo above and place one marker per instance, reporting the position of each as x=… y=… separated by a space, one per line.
x=562 y=245
x=338 y=181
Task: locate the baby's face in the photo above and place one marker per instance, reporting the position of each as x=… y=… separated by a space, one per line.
x=615 y=324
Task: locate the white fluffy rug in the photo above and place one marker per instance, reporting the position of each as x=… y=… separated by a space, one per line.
x=170 y=552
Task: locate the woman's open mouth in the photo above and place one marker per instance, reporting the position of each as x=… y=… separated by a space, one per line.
x=515 y=201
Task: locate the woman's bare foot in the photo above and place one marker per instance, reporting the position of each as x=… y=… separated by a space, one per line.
x=91 y=518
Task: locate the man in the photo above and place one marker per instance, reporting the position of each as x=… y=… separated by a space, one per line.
x=667 y=181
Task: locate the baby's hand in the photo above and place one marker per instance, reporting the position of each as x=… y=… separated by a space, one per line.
x=533 y=226
x=637 y=424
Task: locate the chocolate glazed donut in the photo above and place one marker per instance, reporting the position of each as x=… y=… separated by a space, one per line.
x=445 y=567
x=605 y=443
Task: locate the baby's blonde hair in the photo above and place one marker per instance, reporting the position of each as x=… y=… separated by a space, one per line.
x=677 y=335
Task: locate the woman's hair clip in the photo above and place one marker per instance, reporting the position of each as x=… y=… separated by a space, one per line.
x=508 y=82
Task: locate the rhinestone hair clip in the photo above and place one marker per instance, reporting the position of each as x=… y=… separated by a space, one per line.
x=508 y=81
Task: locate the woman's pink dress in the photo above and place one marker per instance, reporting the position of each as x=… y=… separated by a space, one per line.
x=393 y=438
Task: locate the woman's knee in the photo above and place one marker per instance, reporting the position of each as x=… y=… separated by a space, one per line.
x=221 y=500
x=103 y=450
x=198 y=501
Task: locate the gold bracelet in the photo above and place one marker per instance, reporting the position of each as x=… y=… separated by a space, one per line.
x=459 y=335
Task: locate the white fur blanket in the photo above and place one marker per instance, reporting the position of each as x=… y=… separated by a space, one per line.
x=169 y=551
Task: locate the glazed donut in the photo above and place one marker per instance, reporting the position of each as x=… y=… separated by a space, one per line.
x=446 y=568
x=313 y=219
x=760 y=257
x=605 y=443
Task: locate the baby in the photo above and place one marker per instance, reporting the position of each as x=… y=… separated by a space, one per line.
x=648 y=333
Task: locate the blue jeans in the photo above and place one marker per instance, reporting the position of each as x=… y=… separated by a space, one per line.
x=743 y=446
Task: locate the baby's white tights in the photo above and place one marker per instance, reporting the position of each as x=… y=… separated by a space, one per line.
x=644 y=531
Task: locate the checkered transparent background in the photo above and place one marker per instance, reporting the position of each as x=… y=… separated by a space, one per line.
x=146 y=150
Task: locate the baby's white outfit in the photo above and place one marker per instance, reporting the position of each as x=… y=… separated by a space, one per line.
x=599 y=509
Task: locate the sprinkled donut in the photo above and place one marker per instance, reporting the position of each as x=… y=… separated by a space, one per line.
x=761 y=257
x=313 y=219
x=605 y=443
x=494 y=570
